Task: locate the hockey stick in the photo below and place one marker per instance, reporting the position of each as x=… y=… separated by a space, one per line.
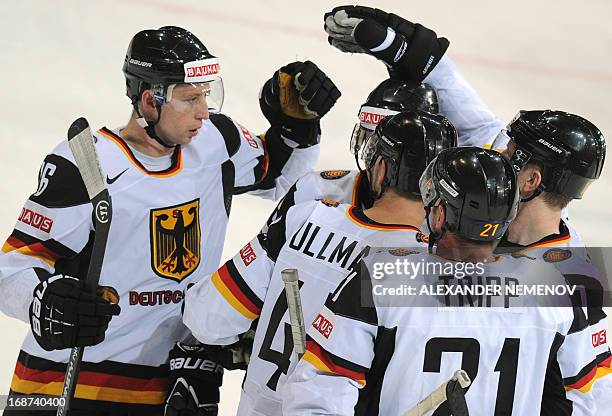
x=81 y=144
x=294 y=304
x=451 y=391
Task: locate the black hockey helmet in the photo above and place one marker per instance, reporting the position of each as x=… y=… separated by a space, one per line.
x=159 y=58
x=570 y=149
x=479 y=189
x=399 y=95
x=407 y=142
x=390 y=97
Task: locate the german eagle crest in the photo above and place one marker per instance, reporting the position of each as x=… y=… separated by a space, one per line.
x=175 y=240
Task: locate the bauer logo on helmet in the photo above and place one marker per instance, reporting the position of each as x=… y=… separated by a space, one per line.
x=141 y=63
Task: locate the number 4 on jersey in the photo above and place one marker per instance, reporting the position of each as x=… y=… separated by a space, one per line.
x=280 y=359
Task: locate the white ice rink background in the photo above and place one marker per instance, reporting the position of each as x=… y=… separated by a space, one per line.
x=62 y=59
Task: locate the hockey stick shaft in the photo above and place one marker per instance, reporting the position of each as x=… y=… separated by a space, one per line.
x=81 y=144
x=438 y=396
x=294 y=304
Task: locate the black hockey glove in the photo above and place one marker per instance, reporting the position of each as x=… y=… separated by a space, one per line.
x=64 y=315
x=235 y=356
x=295 y=98
x=194 y=382
x=410 y=50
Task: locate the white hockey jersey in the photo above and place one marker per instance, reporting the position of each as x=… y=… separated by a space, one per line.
x=321 y=240
x=167 y=232
x=380 y=359
x=567 y=252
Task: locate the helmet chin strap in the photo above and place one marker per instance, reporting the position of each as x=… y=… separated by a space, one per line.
x=149 y=126
x=535 y=194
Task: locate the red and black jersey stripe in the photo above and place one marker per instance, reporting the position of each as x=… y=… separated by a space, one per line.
x=47 y=250
x=323 y=360
x=583 y=380
x=107 y=381
x=236 y=291
x=604 y=363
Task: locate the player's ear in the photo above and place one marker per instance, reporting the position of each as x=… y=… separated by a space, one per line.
x=529 y=179
x=147 y=104
x=442 y=216
x=381 y=172
x=437 y=218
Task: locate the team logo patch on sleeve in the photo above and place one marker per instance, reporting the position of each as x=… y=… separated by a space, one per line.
x=402 y=251
x=323 y=325
x=334 y=174
x=175 y=240
x=36 y=220
x=329 y=202
x=248 y=254
x=555 y=255
x=248 y=137
x=599 y=338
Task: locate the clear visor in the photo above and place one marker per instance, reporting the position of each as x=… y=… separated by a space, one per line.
x=429 y=194
x=368 y=150
x=369 y=117
x=188 y=97
x=358 y=138
x=501 y=141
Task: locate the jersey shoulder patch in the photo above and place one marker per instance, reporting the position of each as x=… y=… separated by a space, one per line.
x=555 y=255
x=403 y=251
x=329 y=202
x=334 y=174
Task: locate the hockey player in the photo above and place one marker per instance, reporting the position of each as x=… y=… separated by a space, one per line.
x=322 y=239
x=557 y=156
x=364 y=357
x=171 y=172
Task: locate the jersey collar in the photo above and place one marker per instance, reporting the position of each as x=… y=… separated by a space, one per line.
x=357 y=216
x=177 y=156
x=562 y=237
